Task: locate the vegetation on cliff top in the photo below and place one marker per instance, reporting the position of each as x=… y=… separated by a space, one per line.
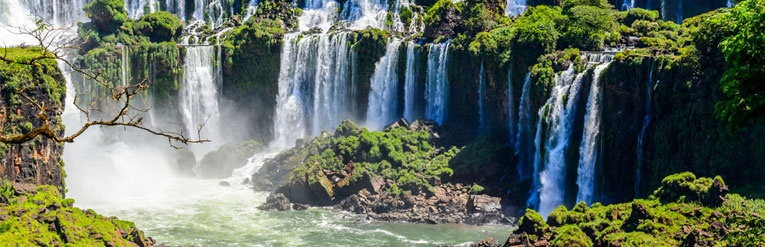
x=39 y=216
x=403 y=154
x=678 y=213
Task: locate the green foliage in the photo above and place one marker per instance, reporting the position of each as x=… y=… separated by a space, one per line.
x=587 y=27
x=160 y=26
x=636 y=14
x=403 y=155
x=651 y=222
x=536 y=32
x=476 y=189
x=571 y=236
x=108 y=15
x=744 y=53
x=29 y=220
x=602 y=4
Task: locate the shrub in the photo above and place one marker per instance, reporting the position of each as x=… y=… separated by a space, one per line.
x=640 y=14
x=159 y=26
x=108 y=15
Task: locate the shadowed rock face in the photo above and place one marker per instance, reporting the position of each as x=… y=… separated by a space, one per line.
x=38 y=161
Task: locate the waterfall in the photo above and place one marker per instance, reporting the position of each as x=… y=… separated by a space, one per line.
x=515 y=7
x=199 y=95
x=136 y=8
x=641 y=135
x=511 y=122
x=437 y=86
x=588 y=152
x=524 y=133
x=481 y=99
x=558 y=113
x=729 y=4
x=313 y=86
x=384 y=89
x=15 y=14
x=679 y=12
x=125 y=65
x=410 y=82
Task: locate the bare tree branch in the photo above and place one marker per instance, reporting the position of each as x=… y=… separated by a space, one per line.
x=54 y=46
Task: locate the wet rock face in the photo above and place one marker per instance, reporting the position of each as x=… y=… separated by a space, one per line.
x=221 y=163
x=277 y=202
x=38 y=161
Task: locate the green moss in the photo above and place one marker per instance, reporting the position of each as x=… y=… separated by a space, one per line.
x=651 y=222
x=403 y=155
x=571 y=236
x=43 y=217
x=159 y=26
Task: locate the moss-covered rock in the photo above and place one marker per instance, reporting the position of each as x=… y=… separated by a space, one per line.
x=159 y=26
x=40 y=216
x=38 y=160
x=736 y=221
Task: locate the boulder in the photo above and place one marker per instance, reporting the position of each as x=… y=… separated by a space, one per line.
x=487 y=242
x=220 y=163
x=484 y=203
x=183 y=162
x=277 y=201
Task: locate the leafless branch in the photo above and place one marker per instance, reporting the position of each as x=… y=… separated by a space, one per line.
x=54 y=45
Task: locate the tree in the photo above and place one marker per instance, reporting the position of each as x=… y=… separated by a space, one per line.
x=743 y=80
x=108 y=15
x=54 y=44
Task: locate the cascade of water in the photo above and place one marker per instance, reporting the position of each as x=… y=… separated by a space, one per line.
x=437 y=86
x=525 y=131
x=679 y=12
x=138 y=8
x=663 y=7
x=558 y=113
x=729 y=3
x=125 y=65
x=481 y=99
x=313 y=86
x=410 y=82
x=588 y=149
x=384 y=89
x=641 y=135
x=515 y=7
x=511 y=120
x=199 y=96
x=366 y=13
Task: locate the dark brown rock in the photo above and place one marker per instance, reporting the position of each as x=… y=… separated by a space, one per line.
x=278 y=202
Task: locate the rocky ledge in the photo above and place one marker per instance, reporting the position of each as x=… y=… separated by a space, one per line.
x=39 y=216
x=394 y=175
x=685 y=211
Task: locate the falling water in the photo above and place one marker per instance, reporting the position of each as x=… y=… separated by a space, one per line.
x=679 y=13
x=384 y=89
x=525 y=131
x=136 y=8
x=511 y=120
x=588 y=149
x=481 y=99
x=515 y=7
x=437 y=86
x=730 y=4
x=199 y=95
x=558 y=113
x=125 y=65
x=641 y=135
x=313 y=86
x=410 y=82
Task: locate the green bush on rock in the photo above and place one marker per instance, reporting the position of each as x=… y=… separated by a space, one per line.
x=160 y=26
x=108 y=15
x=736 y=221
